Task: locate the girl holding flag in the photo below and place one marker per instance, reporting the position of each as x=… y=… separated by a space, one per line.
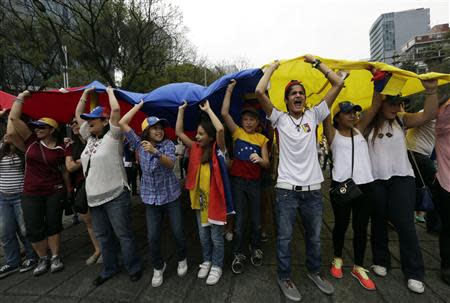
x=208 y=186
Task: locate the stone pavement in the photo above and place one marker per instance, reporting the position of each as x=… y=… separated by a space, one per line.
x=74 y=283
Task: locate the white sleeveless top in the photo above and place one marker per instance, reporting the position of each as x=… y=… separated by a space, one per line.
x=389 y=155
x=341 y=148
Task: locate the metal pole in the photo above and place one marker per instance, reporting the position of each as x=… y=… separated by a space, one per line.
x=65 y=67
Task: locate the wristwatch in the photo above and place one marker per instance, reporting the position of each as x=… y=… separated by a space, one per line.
x=316 y=63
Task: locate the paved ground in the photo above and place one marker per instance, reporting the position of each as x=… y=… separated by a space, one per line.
x=255 y=285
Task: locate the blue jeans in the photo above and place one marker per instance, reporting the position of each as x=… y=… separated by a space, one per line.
x=11 y=226
x=211 y=239
x=309 y=204
x=247 y=201
x=155 y=215
x=111 y=220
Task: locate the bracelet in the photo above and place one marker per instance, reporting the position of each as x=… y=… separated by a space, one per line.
x=326 y=74
x=316 y=63
x=82 y=99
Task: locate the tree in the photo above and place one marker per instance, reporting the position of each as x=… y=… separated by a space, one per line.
x=138 y=37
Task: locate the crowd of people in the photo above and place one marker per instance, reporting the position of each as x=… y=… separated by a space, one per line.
x=373 y=181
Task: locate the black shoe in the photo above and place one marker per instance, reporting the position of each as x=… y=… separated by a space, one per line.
x=100 y=280
x=238 y=264
x=7 y=270
x=136 y=276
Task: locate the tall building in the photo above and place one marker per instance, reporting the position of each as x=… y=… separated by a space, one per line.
x=430 y=47
x=392 y=30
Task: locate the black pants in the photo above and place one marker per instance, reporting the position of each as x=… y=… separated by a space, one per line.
x=394 y=200
x=43 y=215
x=442 y=204
x=360 y=210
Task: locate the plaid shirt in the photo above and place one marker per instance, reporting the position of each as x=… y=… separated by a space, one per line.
x=159 y=185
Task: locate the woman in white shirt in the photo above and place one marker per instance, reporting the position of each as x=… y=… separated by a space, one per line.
x=394 y=191
x=346 y=141
x=107 y=189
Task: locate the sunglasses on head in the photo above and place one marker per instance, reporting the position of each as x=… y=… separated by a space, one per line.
x=345 y=106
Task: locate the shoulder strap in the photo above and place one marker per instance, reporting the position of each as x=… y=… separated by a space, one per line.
x=353 y=150
x=417 y=167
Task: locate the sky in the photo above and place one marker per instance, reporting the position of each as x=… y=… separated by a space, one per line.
x=260 y=31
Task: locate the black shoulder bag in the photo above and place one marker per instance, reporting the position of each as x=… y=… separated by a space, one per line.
x=424 y=200
x=347 y=191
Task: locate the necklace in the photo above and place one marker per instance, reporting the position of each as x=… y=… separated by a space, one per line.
x=299 y=124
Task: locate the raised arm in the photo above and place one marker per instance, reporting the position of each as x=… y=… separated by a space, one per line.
x=220 y=132
x=336 y=81
x=179 y=128
x=115 y=108
x=430 y=108
x=81 y=106
x=328 y=130
x=232 y=126
x=125 y=121
x=260 y=91
x=15 y=124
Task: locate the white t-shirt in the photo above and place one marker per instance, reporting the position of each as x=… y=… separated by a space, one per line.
x=421 y=139
x=298 y=162
x=388 y=155
x=106 y=177
x=342 y=158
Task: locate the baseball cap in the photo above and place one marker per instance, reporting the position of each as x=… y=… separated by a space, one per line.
x=346 y=107
x=96 y=113
x=150 y=121
x=45 y=121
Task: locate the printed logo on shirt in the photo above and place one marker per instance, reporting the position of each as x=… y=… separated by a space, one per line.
x=243 y=150
x=306 y=128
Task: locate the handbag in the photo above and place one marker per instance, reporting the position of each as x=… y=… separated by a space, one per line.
x=80 y=203
x=424 y=200
x=345 y=192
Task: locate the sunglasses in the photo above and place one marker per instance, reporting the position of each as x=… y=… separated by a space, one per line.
x=43 y=127
x=73 y=123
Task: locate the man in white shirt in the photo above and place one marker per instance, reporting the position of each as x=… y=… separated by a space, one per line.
x=299 y=173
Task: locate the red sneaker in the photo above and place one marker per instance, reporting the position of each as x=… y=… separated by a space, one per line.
x=361 y=275
x=336 y=268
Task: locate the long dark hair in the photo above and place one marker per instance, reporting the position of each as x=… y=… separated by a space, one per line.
x=207 y=125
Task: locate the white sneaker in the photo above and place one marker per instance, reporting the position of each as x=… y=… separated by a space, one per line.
x=204 y=269
x=379 y=270
x=416 y=286
x=214 y=275
x=182 y=268
x=158 y=279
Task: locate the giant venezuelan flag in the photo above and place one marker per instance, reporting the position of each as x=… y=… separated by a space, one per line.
x=358 y=87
